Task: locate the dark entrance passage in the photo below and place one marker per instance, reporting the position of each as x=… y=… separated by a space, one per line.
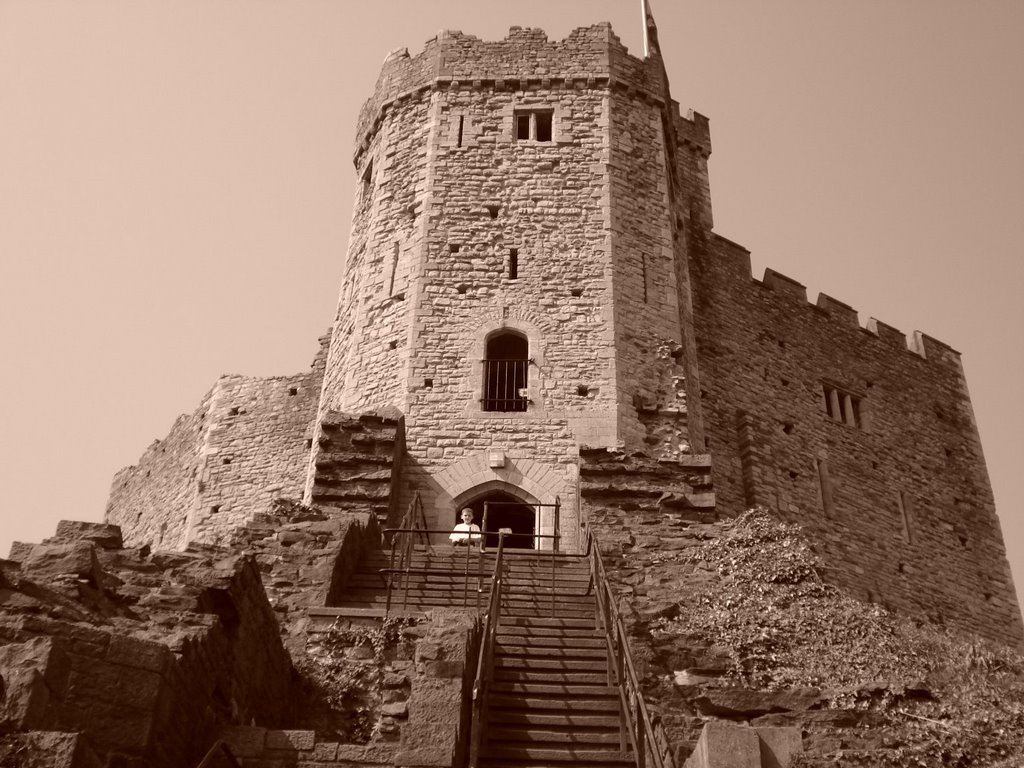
x=505 y=511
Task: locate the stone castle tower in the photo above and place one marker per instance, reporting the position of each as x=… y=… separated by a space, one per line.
x=533 y=271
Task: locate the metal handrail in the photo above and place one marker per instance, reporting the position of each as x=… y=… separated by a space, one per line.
x=401 y=572
x=556 y=536
x=413 y=523
x=219 y=754
x=485 y=661
x=645 y=736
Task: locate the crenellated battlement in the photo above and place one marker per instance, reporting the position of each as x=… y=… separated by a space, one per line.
x=525 y=60
x=836 y=314
x=863 y=435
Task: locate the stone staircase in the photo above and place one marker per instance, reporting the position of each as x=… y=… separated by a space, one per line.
x=459 y=577
x=551 y=701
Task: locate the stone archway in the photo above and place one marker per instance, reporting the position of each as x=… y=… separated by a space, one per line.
x=504 y=511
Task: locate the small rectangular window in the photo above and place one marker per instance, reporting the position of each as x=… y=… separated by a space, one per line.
x=534 y=125
x=523 y=127
x=543 y=126
x=513 y=264
x=842 y=406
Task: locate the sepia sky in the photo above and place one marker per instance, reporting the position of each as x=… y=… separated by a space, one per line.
x=176 y=188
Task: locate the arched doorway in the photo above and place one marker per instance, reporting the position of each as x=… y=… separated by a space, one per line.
x=504 y=511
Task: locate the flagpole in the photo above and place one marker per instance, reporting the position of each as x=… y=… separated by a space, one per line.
x=644 y=12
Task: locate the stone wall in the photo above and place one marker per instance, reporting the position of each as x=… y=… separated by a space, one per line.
x=586 y=54
x=648 y=341
x=146 y=657
x=369 y=343
x=247 y=444
x=151 y=500
x=893 y=490
x=411 y=694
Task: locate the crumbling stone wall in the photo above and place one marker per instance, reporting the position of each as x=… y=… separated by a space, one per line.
x=897 y=499
x=407 y=694
x=147 y=657
x=151 y=500
x=247 y=444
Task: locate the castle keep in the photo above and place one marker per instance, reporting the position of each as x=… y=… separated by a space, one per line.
x=533 y=269
x=537 y=321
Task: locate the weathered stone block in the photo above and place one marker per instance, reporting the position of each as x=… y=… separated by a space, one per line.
x=46 y=562
x=245 y=741
x=726 y=745
x=779 y=745
x=300 y=740
x=103 y=535
x=48 y=749
x=140 y=654
x=425 y=756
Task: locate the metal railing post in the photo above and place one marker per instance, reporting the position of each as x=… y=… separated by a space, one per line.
x=636 y=728
x=485 y=661
x=391 y=576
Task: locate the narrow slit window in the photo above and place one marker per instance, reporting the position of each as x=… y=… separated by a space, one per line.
x=368 y=178
x=843 y=406
x=394 y=269
x=825 y=487
x=513 y=264
x=905 y=506
x=462 y=126
x=643 y=273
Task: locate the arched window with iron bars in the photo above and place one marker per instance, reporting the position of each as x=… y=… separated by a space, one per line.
x=506 y=372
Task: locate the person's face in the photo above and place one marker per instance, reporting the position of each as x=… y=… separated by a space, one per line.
x=467 y=516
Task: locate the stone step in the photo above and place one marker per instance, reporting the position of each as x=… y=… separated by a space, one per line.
x=383 y=559
x=545 y=623
x=520 y=704
x=583 y=648
x=540 y=576
x=512 y=610
x=533 y=689
x=564 y=738
x=509 y=632
x=534 y=664
x=578 y=756
x=516 y=716
x=504 y=762
x=563 y=677
x=460 y=585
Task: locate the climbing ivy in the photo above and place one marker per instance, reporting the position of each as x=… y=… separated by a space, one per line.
x=350 y=681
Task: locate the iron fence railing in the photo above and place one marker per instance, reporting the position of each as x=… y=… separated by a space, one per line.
x=485 y=661
x=638 y=730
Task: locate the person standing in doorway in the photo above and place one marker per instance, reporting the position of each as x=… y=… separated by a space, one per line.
x=465 y=532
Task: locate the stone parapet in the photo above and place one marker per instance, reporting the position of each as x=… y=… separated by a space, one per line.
x=587 y=57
